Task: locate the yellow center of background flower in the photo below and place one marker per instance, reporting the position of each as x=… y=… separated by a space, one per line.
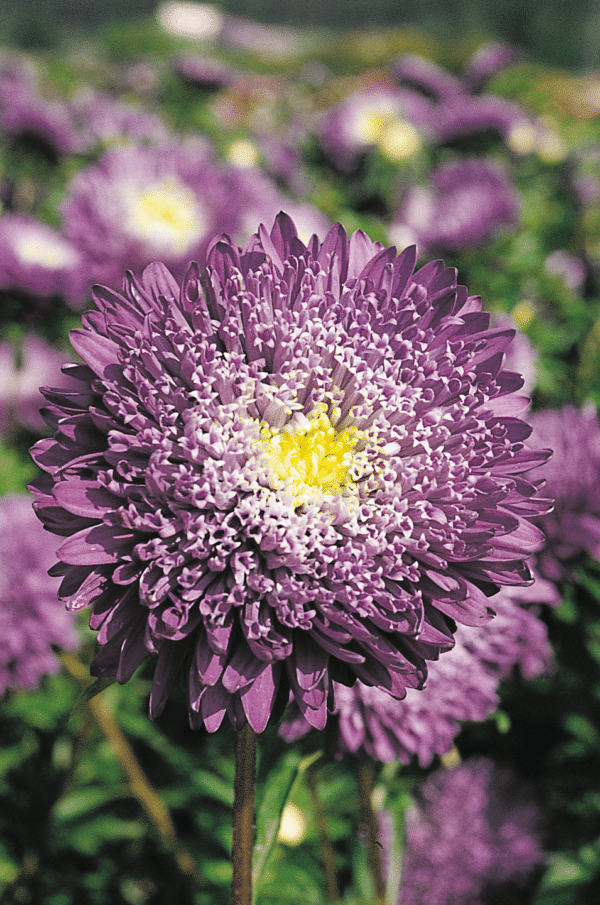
x=310 y=458
x=167 y=216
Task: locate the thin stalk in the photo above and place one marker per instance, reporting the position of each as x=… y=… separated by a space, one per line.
x=153 y=805
x=243 y=816
x=369 y=818
x=327 y=851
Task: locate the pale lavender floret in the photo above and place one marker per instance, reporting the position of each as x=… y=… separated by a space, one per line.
x=461 y=686
x=340 y=134
x=469 y=202
x=22 y=372
x=40 y=261
x=475 y=828
x=114 y=228
x=188 y=545
x=570 y=267
x=32 y=620
x=103 y=120
x=573 y=480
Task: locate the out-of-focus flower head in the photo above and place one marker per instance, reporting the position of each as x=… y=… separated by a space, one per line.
x=573 y=481
x=102 y=120
x=26 y=114
x=391 y=119
x=469 y=202
x=202 y=71
x=299 y=466
x=414 y=71
x=142 y=203
x=188 y=19
x=487 y=61
x=22 y=371
x=32 y=619
x=462 y=685
x=40 y=262
x=570 y=267
x=474 y=828
x=472 y=115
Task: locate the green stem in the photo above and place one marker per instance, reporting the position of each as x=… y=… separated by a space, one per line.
x=327 y=852
x=369 y=819
x=243 y=816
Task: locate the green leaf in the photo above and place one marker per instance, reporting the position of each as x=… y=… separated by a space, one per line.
x=278 y=788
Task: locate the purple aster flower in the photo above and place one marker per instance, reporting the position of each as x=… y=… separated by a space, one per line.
x=22 y=371
x=474 y=829
x=488 y=61
x=38 y=261
x=570 y=267
x=392 y=119
x=32 y=621
x=414 y=71
x=296 y=467
x=102 y=120
x=573 y=480
x=139 y=204
x=469 y=202
x=462 y=685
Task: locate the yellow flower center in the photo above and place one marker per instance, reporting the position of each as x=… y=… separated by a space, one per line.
x=311 y=458
x=38 y=249
x=167 y=216
x=399 y=141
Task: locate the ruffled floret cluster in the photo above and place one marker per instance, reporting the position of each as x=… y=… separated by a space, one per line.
x=573 y=480
x=33 y=622
x=474 y=830
x=300 y=465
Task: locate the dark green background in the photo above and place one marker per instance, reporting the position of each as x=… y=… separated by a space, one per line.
x=552 y=31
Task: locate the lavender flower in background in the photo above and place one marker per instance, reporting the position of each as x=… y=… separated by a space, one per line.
x=22 y=372
x=102 y=120
x=141 y=203
x=570 y=267
x=413 y=71
x=300 y=477
x=32 y=620
x=487 y=61
x=25 y=113
x=462 y=685
x=203 y=72
x=474 y=829
x=573 y=480
x=40 y=262
x=392 y=119
x=469 y=202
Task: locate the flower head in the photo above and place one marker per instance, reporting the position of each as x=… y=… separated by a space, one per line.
x=141 y=203
x=38 y=261
x=32 y=620
x=298 y=466
x=573 y=480
x=469 y=202
x=474 y=828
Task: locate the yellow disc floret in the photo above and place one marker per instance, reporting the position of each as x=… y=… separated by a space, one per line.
x=310 y=457
x=167 y=215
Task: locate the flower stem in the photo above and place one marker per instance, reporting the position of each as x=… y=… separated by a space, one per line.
x=327 y=852
x=369 y=819
x=243 y=816
x=153 y=805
